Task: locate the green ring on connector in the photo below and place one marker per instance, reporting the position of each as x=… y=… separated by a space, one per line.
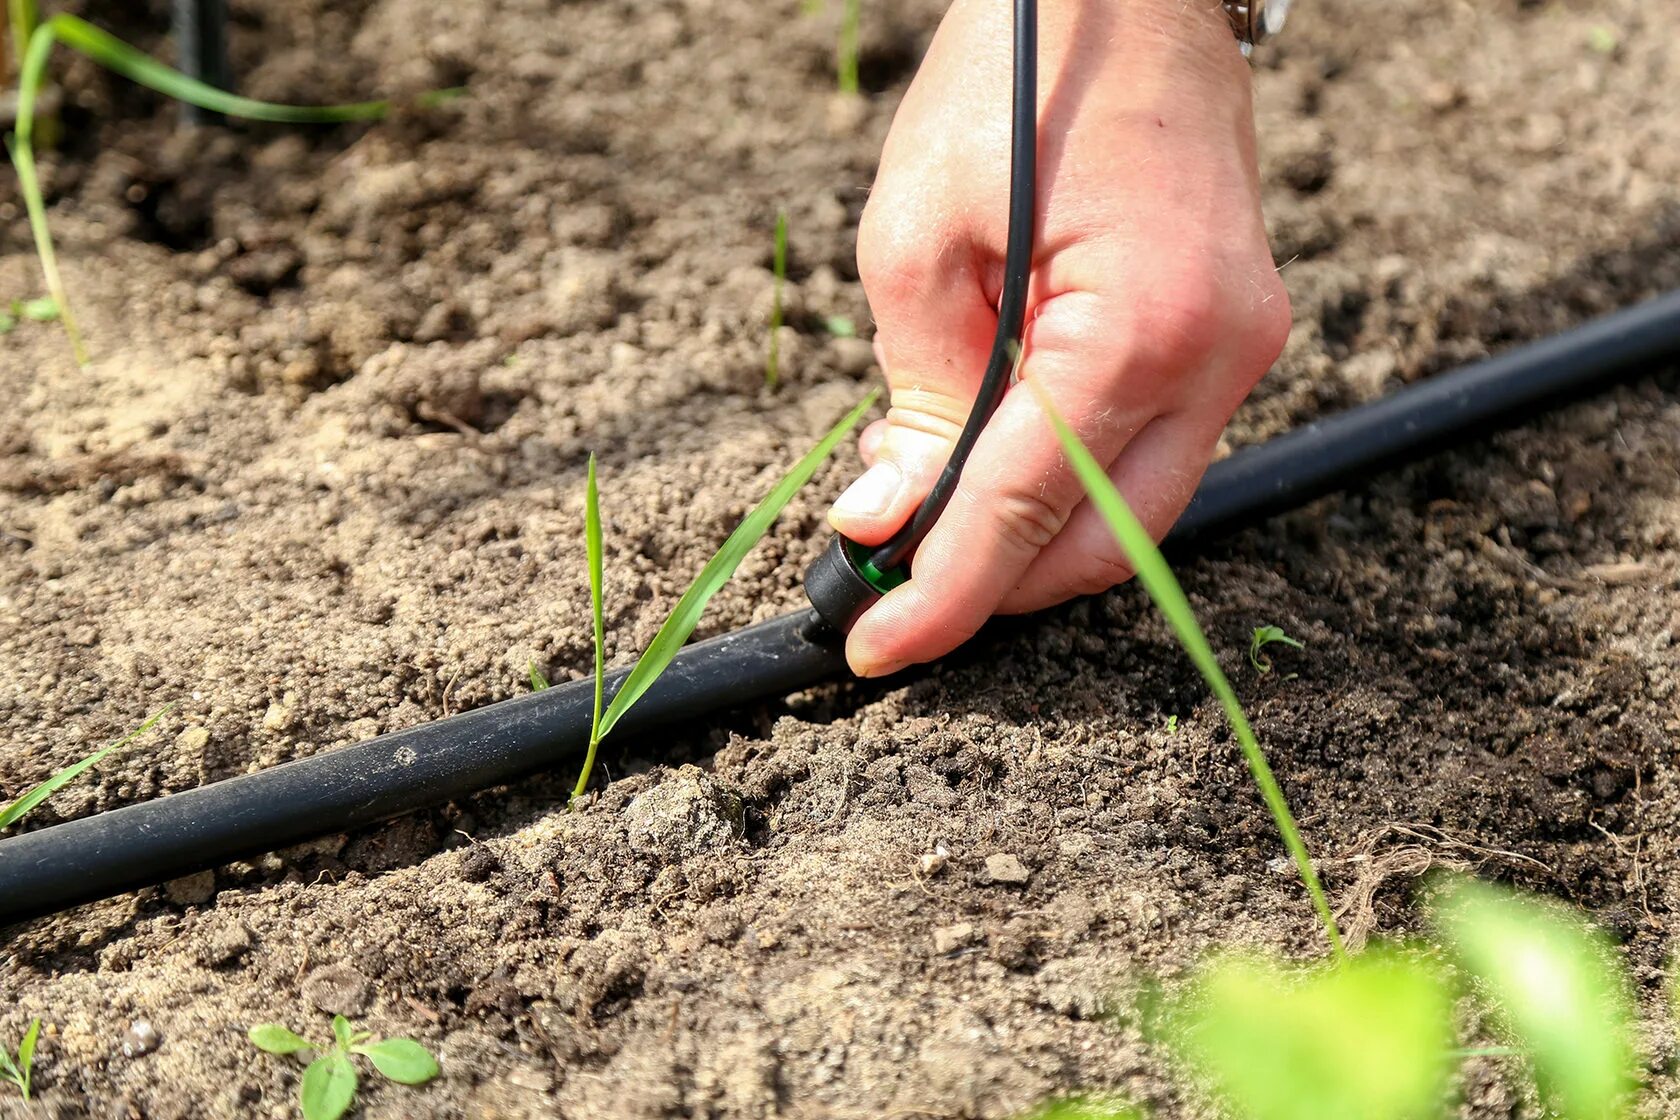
x=879 y=580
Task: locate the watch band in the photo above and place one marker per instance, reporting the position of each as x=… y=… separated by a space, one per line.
x=1254 y=21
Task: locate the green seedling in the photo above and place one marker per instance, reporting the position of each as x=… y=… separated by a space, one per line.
x=1366 y=1037
x=846 y=47
x=594 y=547
x=779 y=259
x=15 y=812
x=1602 y=38
x=120 y=58
x=1551 y=982
x=1264 y=636
x=679 y=626
x=16 y=1070
x=840 y=326
x=1158 y=580
x=328 y=1088
x=1172 y=724
x=538 y=681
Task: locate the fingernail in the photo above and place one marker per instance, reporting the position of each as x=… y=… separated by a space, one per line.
x=883 y=669
x=873 y=492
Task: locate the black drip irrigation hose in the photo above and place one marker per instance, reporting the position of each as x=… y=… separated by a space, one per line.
x=201 y=49
x=140 y=845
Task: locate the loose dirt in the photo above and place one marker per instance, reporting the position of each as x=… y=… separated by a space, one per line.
x=323 y=479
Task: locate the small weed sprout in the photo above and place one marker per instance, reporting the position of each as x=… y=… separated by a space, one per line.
x=35 y=42
x=685 y=616
x=16 y=1069
x=840 y=326
x=538 y=681
x=15 y=812
x=778 y=264
x=846 y=47
x=1157 y=579
x=328 y=1088
x=1172 y=724
x=1264 y=636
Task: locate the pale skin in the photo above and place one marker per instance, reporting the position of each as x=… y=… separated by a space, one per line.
x=1154 y=305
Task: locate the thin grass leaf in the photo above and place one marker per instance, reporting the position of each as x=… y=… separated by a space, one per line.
x=272 y=1038
x=1158 y=580
x=1369 y=1038
x=342 y=1030
x=401 y=1059
x=686 y=616
x=328 y=1088
x=26 y=1055
x=16 y=810
x=117 y=56
x=846 y=48
x=1553 y=984
x=597 y=580
x=538 y=681
x=779 y=259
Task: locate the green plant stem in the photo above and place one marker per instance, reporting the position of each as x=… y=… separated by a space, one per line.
x=593 y=545
x=117 y=56
x=23 y=16
x=1158 y=580
x=846 y=49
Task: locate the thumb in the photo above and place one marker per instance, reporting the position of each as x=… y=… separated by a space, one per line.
x=908 y=450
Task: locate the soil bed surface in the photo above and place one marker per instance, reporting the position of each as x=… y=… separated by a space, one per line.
x=323 y=479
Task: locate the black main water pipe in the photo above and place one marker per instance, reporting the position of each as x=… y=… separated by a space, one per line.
x=96 y=857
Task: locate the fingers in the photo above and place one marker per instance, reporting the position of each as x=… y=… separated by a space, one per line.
x=1017 y=491
x=1157 y=475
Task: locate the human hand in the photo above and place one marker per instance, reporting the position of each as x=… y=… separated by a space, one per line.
x=1154 y=304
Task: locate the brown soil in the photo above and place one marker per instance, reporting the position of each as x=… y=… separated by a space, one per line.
x=323 y=479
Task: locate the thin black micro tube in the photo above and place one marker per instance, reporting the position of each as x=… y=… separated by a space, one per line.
x=201 y=49
x=53 y=868
x=1012 y=299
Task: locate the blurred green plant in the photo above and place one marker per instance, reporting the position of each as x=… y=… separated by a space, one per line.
x=35 y=41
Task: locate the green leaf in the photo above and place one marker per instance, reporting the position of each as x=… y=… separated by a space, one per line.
x=840 y=326
x=686 y=616
x=1602 y=38
x=342 y=1031
x=538 y=681
x=328 y=1088
x=1554 y=983
x=26 y=1055
x=595 y=550
x=1368 y=1037
x=846 y=48
x=8 y=322
x=16 y=810
x=1262 y=637
x=276 y=1039
x=41 y=310
x=401 y=1059
x=1158 y=580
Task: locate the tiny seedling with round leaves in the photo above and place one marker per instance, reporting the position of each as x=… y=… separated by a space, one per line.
x=328 y=1088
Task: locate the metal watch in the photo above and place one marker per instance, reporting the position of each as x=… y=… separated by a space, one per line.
x=1256 y=20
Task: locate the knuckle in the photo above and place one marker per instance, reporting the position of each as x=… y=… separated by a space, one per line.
x=1029 y=519
x=893 y=261
x=1187 y=318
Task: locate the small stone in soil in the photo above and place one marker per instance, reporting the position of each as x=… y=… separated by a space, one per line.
x=948 y=939
x=140 y=1038
x=339 y=990
x=191 y=890
x=1005 y=868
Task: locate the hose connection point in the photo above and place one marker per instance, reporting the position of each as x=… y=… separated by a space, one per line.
x=842 y=584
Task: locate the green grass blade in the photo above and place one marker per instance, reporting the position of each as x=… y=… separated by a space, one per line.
x=26 y=1055
x=117 y=56
x=538 y=681
x=12 y=813
x=1555 y=986
x=597 y=580
x=1157 y=579
x=846 y=49
x=773 y=364
x=719 y=568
